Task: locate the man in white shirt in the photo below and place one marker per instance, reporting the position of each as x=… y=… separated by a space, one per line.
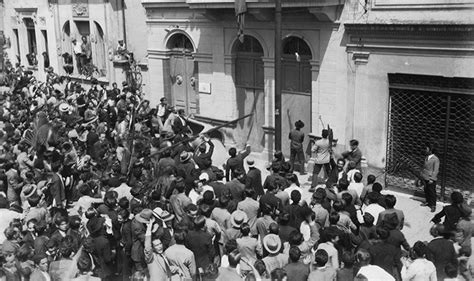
x=372 y=208
x=322 y=148
x=370 y=272
x=357 y=185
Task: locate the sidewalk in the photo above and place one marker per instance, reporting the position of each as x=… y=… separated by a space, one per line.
x=417 y=218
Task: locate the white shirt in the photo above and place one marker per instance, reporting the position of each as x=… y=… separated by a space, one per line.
x=333 y=257
x=7 y=216
x=358 y=187
x=194 y=196
x=123 y=190
x=419 y=270
x=375 y=273
x=290 y=189
x=374 y=209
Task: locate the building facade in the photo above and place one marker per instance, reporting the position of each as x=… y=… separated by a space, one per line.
x=345 y=63
x=57 y=33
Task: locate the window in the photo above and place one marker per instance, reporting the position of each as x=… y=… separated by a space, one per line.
x=32 y=46
x=180 y=41
x=46 y=51
x=17 y=47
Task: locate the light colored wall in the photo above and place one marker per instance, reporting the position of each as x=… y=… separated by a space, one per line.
x=44 y=21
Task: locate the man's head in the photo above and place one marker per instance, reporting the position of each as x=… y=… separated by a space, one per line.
x=234 y=258
x=295 y=196
x=321 y=257
x=390 y=201
x=429 y=149
x=340 y=164
x=163 y=101
x=41 y=261
x=181 y=112
x=354 y=144
x=295 y=254
x=232 y=152
x=192 y=210
x=358 y=177
x=84 y=39
x=325 y=134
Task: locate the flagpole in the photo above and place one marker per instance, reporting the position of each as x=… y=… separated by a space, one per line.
x=278 y=44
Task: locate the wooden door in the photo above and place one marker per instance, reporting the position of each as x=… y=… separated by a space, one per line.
x=183 y=75
x=296 y=99
x=250 y=99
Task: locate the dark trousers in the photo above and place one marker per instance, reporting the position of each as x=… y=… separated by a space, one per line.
x=297 y=155
x=317 y=169
x=430 y=193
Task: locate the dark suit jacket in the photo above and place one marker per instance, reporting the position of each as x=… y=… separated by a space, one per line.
x=254 y=181
x=178 y=127
x=355 y=156
x=103 y=255
x=234 y=163
x=236 y=189
x=57 y=189
x=126 y=237
x=204 y=160
x=200 y=243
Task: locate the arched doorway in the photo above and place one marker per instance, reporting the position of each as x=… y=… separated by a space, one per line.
x=249 y=86
x=183 y=73
x=296 y=88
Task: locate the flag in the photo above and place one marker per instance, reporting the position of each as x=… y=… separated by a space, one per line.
x=240 y=10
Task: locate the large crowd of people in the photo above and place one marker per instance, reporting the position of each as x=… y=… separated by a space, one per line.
x=98 y=185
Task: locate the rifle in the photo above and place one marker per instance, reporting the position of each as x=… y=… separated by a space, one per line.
x=197 y=135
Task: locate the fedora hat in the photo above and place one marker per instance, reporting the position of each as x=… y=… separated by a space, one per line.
x=185 y=156
x=29 y=190
x=162 y=214
x=64 y=107
x=272 y=243
x=144 y=216
x=237 y=218
x=251 y=163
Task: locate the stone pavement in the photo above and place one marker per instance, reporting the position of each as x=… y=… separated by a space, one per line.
x=417 y=218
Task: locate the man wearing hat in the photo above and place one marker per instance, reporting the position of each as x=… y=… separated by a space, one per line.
x=275 y=259
x=254 y=178
x=185 y=168
x=139 y=227
x=237 y=218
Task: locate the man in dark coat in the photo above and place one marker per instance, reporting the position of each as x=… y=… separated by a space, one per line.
x=202 y=157
x=296 y=137
x=57 y=189
x=386 y=255
x=237 y=186
x=354 y=154
x=200 y=243
x=100 y=247
x=254 y=178
x=236 y=161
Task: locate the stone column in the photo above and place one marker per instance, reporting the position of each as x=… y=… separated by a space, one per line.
x=269 y=90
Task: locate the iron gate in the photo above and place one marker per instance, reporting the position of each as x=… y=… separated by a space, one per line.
x=431 y=109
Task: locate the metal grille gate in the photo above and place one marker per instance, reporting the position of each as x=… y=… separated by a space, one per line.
x=430 y=109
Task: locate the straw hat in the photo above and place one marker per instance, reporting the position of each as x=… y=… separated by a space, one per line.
x=237 y=218
x=272 y=243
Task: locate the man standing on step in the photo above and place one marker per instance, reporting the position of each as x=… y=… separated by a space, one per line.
x=430 y=175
